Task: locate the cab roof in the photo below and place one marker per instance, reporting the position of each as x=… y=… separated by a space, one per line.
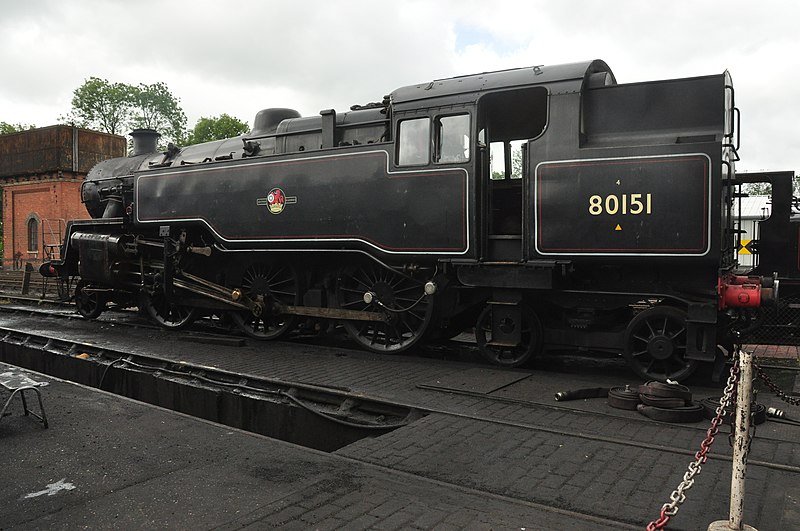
x=488 y=81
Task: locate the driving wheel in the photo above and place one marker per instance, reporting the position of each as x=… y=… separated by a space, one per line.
x=399 y=298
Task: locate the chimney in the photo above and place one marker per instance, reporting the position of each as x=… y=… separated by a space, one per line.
x=144 y=141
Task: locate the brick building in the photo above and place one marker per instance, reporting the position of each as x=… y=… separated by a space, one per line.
x=41 y=171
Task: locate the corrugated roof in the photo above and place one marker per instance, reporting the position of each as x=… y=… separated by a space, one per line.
x=753 y=207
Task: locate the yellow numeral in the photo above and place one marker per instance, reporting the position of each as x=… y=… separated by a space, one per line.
x=622 y=204
x=595 y=205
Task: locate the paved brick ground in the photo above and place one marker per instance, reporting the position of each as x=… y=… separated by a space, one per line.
x=563 y=471
x=788 y=352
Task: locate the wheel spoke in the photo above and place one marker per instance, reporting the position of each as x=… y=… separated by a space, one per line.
x=367 y=284
x=351 y=290
x=410 y=288
x=271 y=276
x=286 y=294
x=416 y=315
x=678 y=333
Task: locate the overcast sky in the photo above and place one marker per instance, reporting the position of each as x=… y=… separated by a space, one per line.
x=238 y=57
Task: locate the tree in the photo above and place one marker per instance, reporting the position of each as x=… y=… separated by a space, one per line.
x=154 y=107
x=102 y=105
x=516 y=161
x=7 y=128
x=498 y=166
x=117 y=108
x=766 y=188
x=757 y=188
x=216 y=128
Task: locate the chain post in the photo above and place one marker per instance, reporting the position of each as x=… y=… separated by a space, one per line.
x=741 y=446
x=678 y=496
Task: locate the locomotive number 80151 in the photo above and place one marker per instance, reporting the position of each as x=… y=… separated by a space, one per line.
x=545 y=207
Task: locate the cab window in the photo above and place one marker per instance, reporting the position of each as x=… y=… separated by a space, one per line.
x=413 y=146
x=452 y=138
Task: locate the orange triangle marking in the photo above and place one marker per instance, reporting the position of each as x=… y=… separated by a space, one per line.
x=617 y=227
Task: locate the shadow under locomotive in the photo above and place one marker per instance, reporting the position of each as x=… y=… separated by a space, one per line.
x=545 y=207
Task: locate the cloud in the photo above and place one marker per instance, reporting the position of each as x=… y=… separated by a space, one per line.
x=236 y=58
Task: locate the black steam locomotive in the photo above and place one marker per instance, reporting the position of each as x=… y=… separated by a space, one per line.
x=547 y=207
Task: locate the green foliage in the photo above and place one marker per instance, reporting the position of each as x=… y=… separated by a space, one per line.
x=757 y=188
x=7 y=128
x=498 y=165
x=216 y=128
x=766 y=188
x=117 y=108
x=516 y=162
x=154 y=107
x=101 y=105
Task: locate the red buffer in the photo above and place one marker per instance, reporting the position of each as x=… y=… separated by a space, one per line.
x=746 y=292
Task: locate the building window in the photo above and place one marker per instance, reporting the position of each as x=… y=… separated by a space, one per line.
x=33 y=234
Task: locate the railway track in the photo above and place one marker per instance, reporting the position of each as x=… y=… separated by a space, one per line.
x=13 y=283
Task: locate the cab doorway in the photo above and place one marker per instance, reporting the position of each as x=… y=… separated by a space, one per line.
x=508 y=121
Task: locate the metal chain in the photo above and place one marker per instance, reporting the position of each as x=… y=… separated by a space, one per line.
x=793 y=400
x=678 y=496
